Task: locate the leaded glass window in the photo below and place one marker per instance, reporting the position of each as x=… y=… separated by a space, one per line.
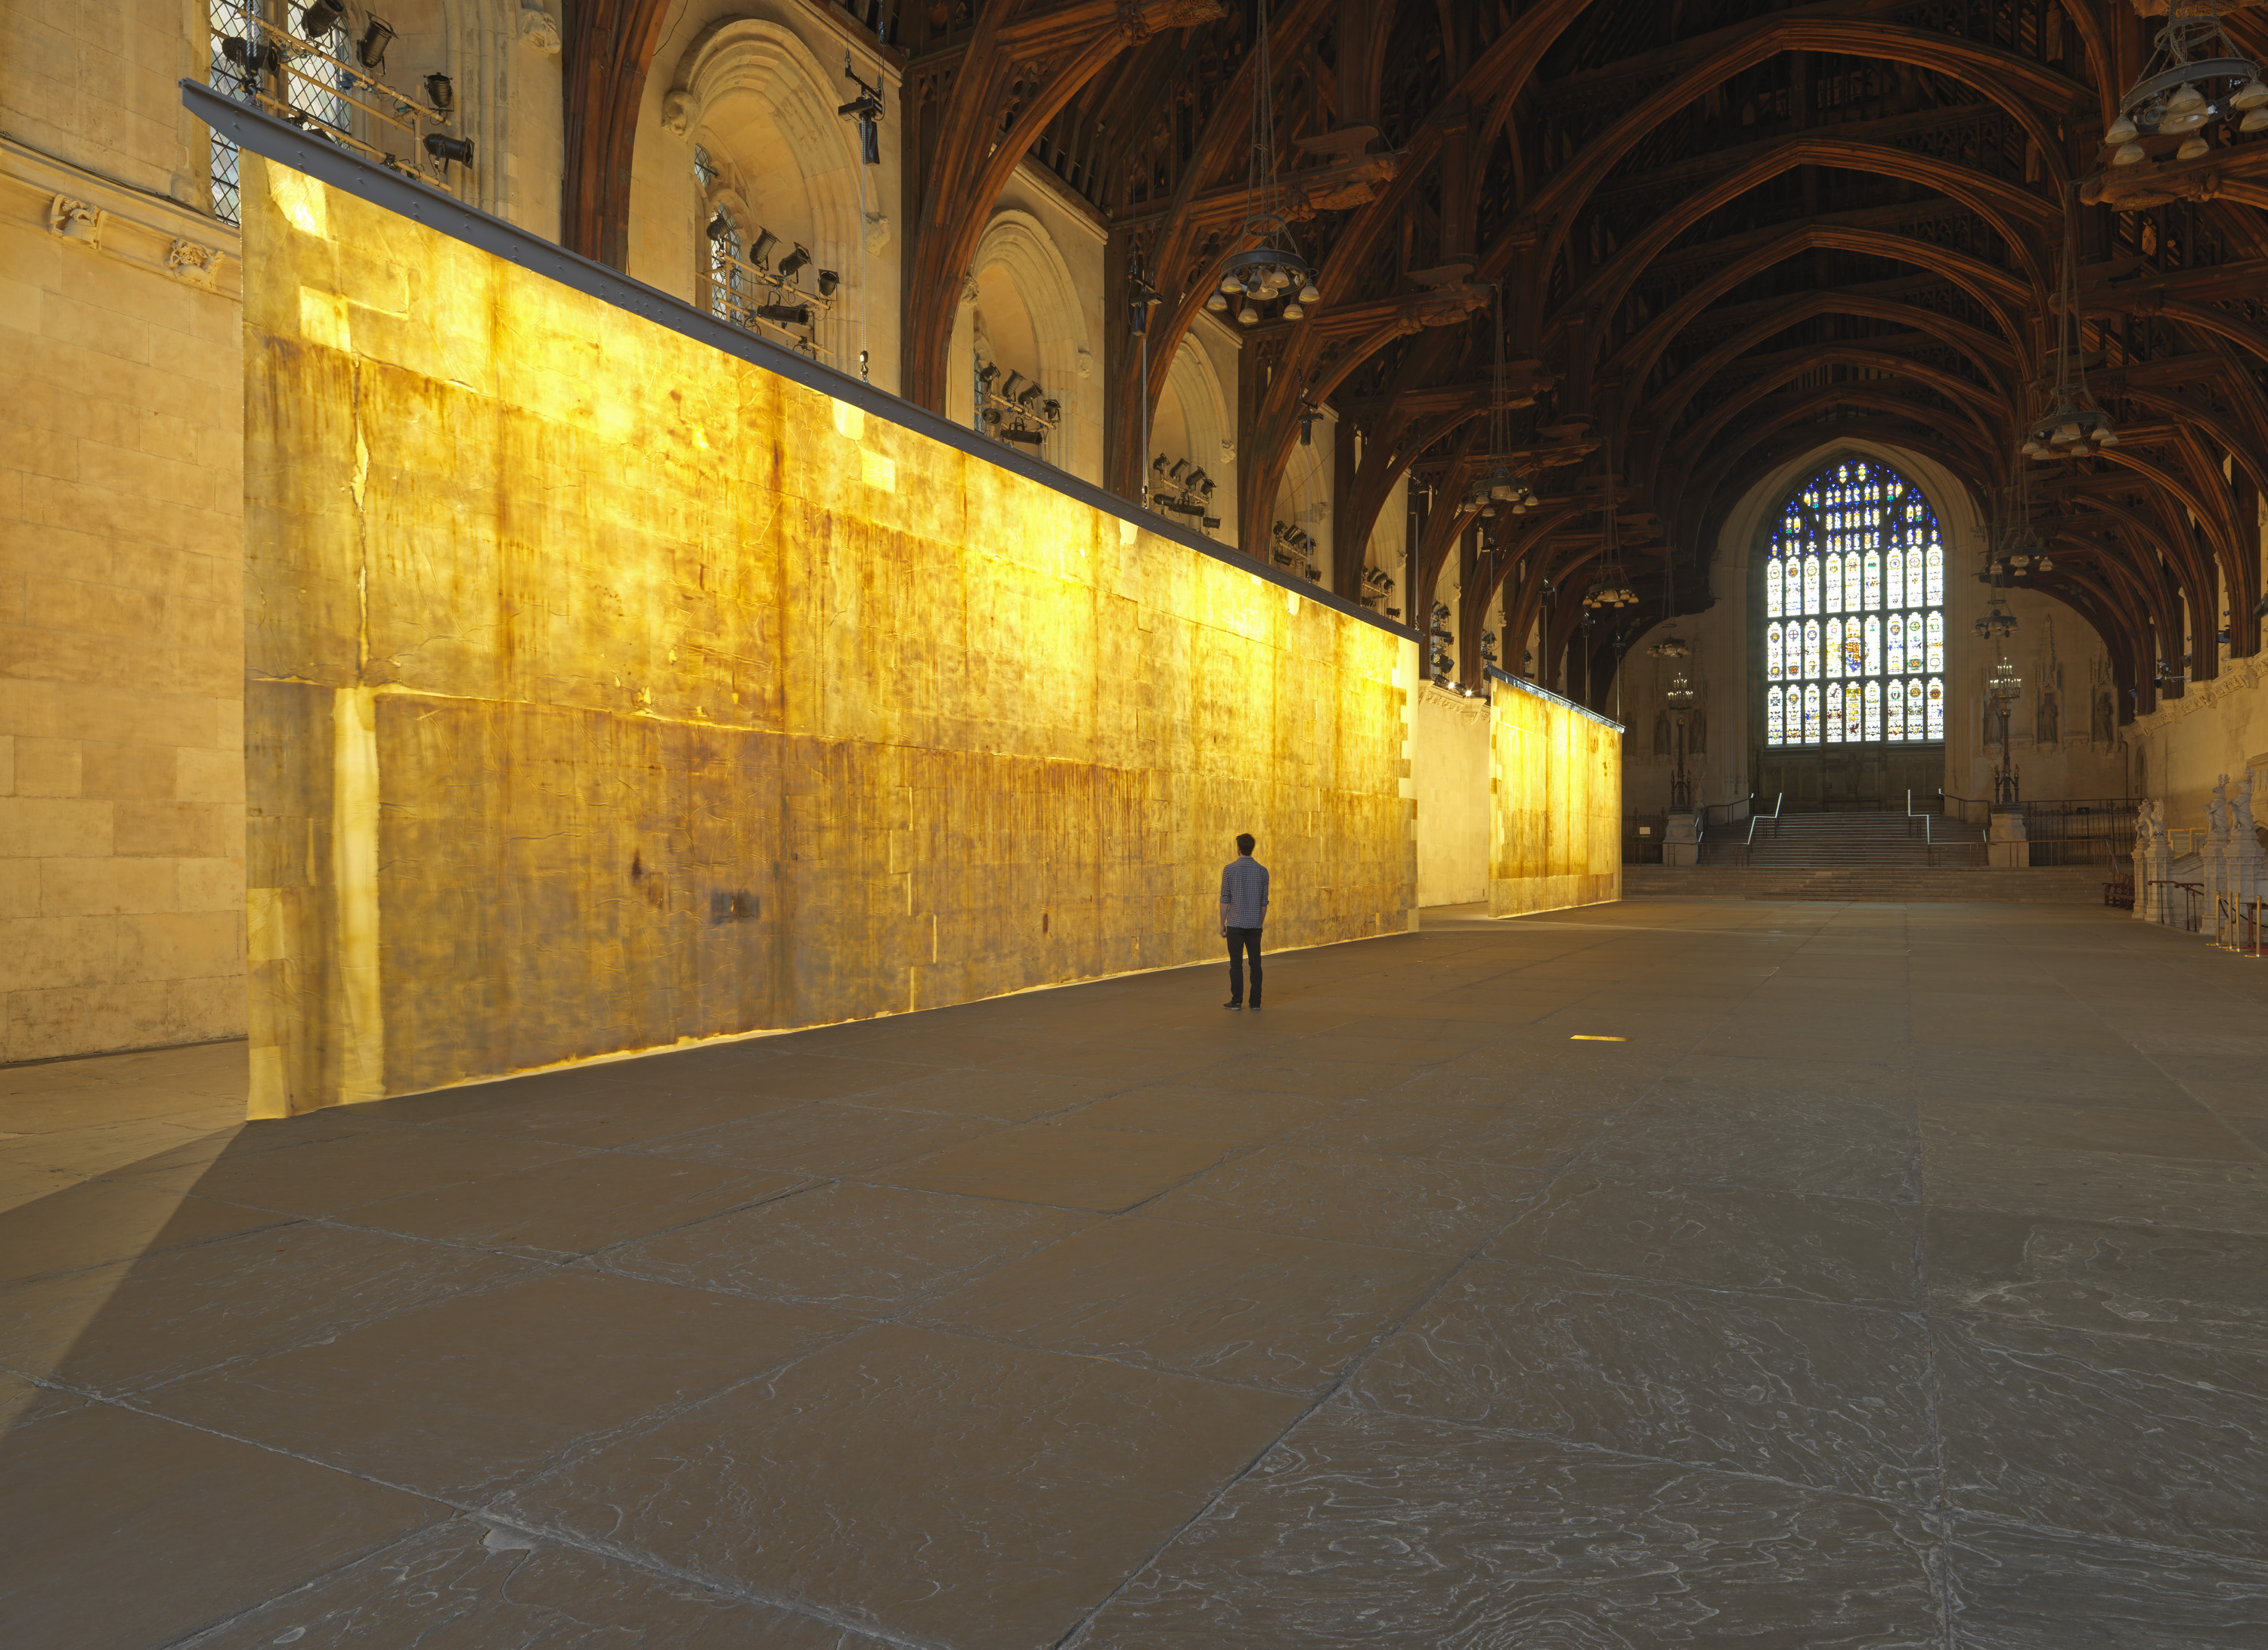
x=1858 y=538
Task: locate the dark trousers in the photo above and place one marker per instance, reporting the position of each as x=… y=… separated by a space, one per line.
x=1242 y=943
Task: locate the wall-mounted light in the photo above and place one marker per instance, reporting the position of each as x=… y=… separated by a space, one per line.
x=829 y=280
x=370 y=51
x=786 y=314
x=441 y=92
x=759 y=251
x=791 y=266
x=444 y=149
x=318 y=17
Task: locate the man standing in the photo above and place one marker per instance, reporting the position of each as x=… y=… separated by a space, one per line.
x=1243 y=908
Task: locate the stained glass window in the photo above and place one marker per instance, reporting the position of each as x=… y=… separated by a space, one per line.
x=1858 y=538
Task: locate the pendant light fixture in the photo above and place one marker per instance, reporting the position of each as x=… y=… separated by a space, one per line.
x=2194 y=76
x=1501 y=489
x=2073 y=426
x=1268 y=269
x=1611 y=587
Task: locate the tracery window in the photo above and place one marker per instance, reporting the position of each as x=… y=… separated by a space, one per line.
x=1859 y=539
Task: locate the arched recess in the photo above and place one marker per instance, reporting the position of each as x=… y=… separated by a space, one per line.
x=1020 y=298
x=751 y=93
x=1193 y=422
x=1730 y=640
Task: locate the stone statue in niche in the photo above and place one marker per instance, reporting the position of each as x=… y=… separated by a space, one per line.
x=1662 y=733
x=2106 y=720
x=2048 y=721
x=2216 y=811
x=74 y=220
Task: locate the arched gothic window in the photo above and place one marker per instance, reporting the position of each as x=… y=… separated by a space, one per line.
x=1856 y=558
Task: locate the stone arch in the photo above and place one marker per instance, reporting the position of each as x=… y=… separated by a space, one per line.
x=1193 y=422
x=1021 y=297
x=750 y=92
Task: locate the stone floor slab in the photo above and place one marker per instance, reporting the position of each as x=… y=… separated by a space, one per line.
x=953 y=1491
x=123 y=1531
x=1832 y=1397
x=1064 y=1165
x=1428 y=1204
x=1249 y=1306
x=874 y=1250
x=466 y=1397
x=1373 y=1530
x=2016 y=1589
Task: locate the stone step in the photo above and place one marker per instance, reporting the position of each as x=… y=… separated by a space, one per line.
x=2061 y=886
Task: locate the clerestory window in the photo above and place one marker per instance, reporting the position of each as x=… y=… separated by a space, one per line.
x=1854 y=612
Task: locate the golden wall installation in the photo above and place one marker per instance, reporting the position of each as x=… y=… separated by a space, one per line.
x=607 y=691
x=1555 y=803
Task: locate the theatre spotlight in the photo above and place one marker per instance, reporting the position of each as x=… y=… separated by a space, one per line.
x=318 y=17
x=1052 y=410
x=1157 y=465
x=1026 y=438
x=248 y=58
x=786 y=314
x=760 y=250
x=829 y=280
x=369 y=51
x=442 y=93
x=445 y=150
x=1015 y=389
x=791 y=266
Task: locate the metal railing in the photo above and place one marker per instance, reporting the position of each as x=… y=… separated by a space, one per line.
x=329 y=89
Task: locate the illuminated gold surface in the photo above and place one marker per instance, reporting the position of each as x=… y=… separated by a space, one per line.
x=1556 y=805
x=607 y=691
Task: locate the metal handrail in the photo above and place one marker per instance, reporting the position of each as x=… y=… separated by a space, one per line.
x=1778 y=798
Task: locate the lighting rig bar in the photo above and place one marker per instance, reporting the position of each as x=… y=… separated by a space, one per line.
x=788 y=305
x=1018 y=411
x=269 y=62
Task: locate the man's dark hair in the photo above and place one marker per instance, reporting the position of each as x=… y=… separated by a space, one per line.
x=1244 y=842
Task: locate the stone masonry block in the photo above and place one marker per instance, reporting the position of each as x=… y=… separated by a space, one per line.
x=131 y=773
x=113 y=887
x=19 y=887
x=192 y=830
x=27 y=707
x=180 y=945
x=41 y=828
x=209 y=885
x=37 y=952
x=209 y=776
x=74 y=604
x=48 y=767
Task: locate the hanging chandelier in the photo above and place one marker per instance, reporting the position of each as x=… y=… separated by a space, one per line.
x=1672 y=647
x=1270 y=269
x=2194 y=76
x=1611 y=587
x=2073 y=426
x=1502 y=488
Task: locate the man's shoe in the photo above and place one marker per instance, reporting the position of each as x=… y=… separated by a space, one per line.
x=1256 y=1005
x=1234 y=1008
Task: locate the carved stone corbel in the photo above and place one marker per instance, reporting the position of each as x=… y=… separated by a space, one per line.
x=676 y=112
x=199 y=266
x=74 y=220
x=539 y=30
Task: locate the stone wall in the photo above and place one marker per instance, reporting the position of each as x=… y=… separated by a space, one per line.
x=121 y=597
x=607 y=691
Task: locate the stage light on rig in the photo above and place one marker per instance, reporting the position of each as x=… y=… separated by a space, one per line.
x=318 y=17
x=791 y=266
x=828 y=281
x=760 y=250
x=785 y=314
x=445 y=149
x=370 y=51
x=441 y=92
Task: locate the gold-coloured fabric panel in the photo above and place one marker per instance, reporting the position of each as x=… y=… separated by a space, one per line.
x=607 y=691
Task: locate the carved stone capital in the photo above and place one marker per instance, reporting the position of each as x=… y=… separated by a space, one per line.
x=676 y=112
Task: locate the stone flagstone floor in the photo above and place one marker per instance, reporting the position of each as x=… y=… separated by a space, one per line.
x=1899 y=1279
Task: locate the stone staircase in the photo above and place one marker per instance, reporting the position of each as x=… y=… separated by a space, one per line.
x=1861 y=855
x=1890 y=884
x=1873 y=839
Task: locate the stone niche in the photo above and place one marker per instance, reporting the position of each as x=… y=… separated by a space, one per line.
x=607 y=691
